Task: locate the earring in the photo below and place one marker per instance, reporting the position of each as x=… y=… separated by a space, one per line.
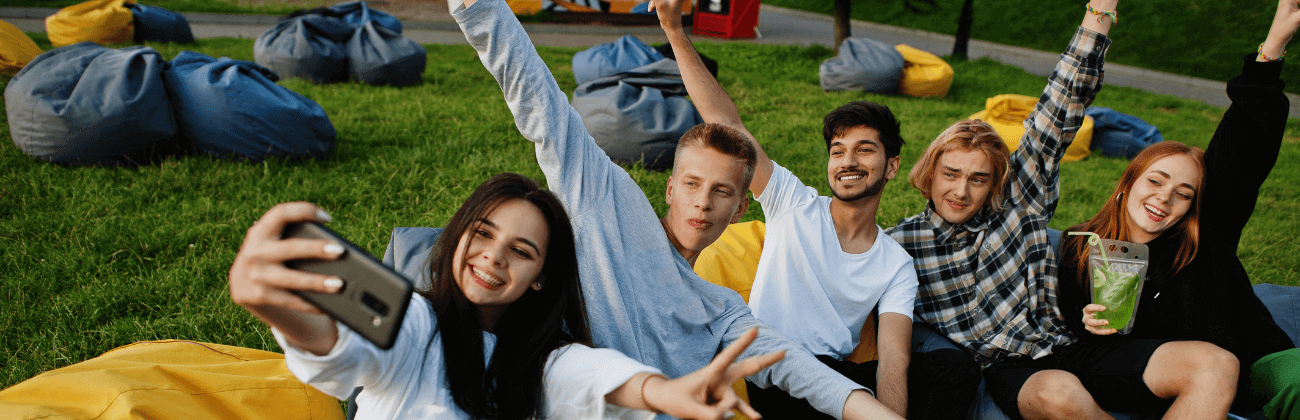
x=1119 y=196
x=537 y=285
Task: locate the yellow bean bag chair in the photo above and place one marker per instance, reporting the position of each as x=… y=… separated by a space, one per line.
x=16 y=49
x=732 y=262
x=1007 y=113
x=525 y=7
x=170 y=379
x=924 y=75
x=100 y=21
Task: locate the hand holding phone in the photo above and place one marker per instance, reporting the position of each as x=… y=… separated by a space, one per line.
x=373 y=299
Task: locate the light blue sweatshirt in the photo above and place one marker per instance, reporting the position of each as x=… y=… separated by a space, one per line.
x=643 y=298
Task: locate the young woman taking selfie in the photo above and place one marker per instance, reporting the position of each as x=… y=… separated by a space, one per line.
x=501 y=334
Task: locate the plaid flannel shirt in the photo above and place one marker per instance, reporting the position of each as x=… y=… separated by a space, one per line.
x=990 y=283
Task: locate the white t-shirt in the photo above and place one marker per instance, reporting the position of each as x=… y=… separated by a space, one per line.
x=808 y=287
x=407 y=382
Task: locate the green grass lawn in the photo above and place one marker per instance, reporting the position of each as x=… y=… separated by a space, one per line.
x=95 y=258
x=1201 y=38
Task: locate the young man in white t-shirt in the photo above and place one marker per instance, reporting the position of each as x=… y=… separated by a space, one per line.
x=826 y=264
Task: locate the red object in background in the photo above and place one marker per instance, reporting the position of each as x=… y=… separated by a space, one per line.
x=726 y=18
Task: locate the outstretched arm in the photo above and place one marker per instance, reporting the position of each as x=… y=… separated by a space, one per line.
x=803 y=376
x=576 y=169
x=709 y=98
x=260 y=282
x=703 y=394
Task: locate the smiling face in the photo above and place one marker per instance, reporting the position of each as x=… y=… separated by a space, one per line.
x=1161 y=196
x=704 y=196
x=857 y=166
x=501 y=256
x=963 y=180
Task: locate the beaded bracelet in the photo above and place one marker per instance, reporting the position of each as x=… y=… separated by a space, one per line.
x=1267 y=58
x=1114 y=19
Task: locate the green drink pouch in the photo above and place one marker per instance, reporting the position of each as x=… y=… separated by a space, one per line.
x=1116 y=273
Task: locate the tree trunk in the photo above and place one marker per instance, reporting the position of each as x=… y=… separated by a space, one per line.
x=842 y=19
x=963 y=29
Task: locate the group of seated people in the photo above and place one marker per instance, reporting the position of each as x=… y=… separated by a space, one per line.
x=581 y=302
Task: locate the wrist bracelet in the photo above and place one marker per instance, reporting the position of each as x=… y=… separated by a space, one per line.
x=1114 y=19
x=1267 y=58
x=642 y=392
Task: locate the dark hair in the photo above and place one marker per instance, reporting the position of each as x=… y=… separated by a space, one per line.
x=864 y=114
x=1111 y=222
x=529 y=329
x=726 y=140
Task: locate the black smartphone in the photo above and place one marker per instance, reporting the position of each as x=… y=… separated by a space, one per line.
x=374 y=297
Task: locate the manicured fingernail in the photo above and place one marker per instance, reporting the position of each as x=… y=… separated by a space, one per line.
x=333 y=284
x=334 y=249
x=323 y=216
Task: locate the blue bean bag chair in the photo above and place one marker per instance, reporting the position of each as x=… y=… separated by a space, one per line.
x=638 y=116
x=408 y=253
x=233 y=108
x=309 y=47
x=612 y=58
x=379 y=56
x=1284 y=304
x=863 y=65
x=1117 y=134
x=157 y=24
x=91 y=105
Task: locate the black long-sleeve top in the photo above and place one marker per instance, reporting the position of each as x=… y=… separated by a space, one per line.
x=1211 y=299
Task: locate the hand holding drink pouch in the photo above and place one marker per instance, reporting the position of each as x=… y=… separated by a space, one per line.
x=1116 y=273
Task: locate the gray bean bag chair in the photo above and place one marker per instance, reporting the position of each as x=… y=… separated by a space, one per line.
x=91 y=105
x=233 y=108
x=625 y=54
x=309 y=47
x=638 y=116
x=379 y=56
x=863 y=65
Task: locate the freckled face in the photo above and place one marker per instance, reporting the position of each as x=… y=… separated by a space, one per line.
x=1161 y=196
x=962 y=184
x=704 y=196
x=856 y=167
x=502 y=255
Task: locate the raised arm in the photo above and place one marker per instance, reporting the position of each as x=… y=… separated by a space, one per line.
x=1059 y=114
x=566 y=152
x=707 y=95
x=1245 y=146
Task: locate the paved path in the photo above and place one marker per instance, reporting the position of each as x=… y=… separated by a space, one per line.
x=776 y=26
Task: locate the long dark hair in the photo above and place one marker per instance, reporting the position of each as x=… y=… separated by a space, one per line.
x=529 y=329
x=1111 y=221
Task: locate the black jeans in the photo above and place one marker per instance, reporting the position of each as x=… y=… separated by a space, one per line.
x=941 y=385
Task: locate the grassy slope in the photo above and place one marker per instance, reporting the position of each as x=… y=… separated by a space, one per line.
x=1201 y=38
x=95 y=258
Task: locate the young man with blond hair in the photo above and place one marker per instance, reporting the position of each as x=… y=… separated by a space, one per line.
x=987 y=269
